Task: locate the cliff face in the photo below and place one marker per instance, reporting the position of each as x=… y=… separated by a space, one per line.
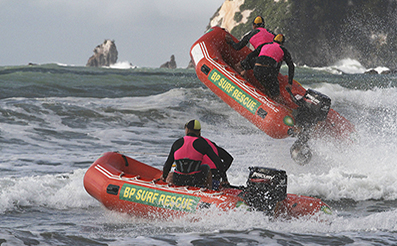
x=225 y=15
x=321 y=32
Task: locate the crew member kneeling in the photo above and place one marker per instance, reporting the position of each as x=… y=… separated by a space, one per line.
x=268 y=63
x=188 y=153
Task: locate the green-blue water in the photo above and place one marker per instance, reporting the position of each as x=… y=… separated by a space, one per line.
x=56 y=120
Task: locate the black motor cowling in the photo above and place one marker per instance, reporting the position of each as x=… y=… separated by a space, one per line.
x=313 y=107
x=265 y=187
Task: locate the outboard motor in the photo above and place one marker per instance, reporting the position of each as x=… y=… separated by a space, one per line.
x=265 y=188
x=300 y=152
x=313 y=107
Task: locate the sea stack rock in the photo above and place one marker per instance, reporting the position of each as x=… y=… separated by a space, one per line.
x=105 y=54
x=170 y=64
x=191 y=64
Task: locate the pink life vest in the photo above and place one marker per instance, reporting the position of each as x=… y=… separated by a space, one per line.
x=263 y=36
x=187 y=151
x=206 y=159
x=272 y=50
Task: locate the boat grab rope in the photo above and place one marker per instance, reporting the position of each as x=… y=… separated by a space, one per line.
x=250 y=89
x=142 y=153
x=186 y=189
x=129 y=179
x=137 y=179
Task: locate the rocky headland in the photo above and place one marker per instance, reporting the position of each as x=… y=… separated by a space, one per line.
x=318 y=32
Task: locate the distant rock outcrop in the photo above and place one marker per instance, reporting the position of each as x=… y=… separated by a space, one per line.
x=191 y=64
x=170 y=64
x=105 y=55
x=372 y=71
x=318 y=32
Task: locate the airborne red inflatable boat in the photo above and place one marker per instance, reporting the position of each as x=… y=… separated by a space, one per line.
x=215 y=60
x=123 y=184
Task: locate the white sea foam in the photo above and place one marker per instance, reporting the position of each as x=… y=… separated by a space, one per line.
x=349 y=66
x=123 y=65
x=59 y=191
x=48 y=143
x=364 y=170
x=380 y=69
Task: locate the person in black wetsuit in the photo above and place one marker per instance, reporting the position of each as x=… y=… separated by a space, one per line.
x=226 y=159
x=188 y=153
x=268 y=63
x=257 y=37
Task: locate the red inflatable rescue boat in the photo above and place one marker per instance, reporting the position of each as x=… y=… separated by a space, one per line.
x=123 y=184
x=215 y=62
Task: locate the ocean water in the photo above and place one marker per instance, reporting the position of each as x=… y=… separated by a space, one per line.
x=55 y=120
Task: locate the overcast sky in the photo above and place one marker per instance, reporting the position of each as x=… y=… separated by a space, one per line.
x=147 y=32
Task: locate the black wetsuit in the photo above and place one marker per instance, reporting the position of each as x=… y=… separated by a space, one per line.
x=268 y=70
x=226 y=159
